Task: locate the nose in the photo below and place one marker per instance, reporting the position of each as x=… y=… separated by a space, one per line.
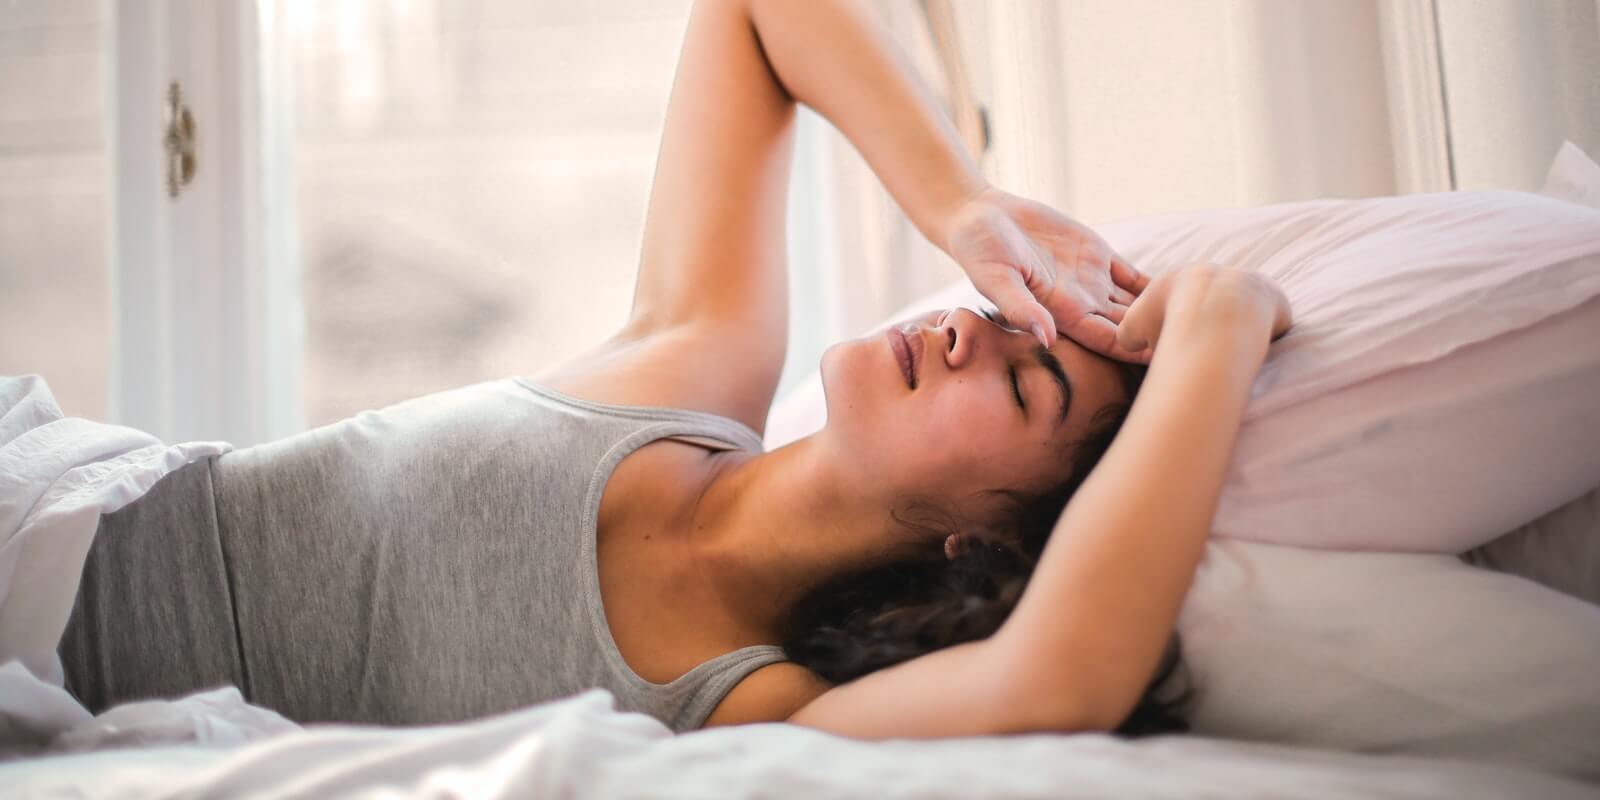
x=958 y=336
x=967 y=338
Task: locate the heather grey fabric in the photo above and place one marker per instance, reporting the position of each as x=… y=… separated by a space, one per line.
x=152 y=616
x=428 y=562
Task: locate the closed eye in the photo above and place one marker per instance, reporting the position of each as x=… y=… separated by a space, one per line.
x=993 y=315
x=1046 y=359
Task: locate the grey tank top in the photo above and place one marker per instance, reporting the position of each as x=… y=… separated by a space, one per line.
x=435 y=560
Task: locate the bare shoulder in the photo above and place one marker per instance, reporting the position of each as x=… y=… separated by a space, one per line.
x=770 y=694
x=700 y=367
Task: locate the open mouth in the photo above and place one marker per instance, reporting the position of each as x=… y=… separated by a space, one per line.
x=907 y=348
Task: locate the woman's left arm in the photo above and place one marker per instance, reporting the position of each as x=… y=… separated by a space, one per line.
x=835 y=56
x=712 y=283
x=1045 y=271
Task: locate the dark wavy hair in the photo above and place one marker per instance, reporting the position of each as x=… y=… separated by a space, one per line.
x=863 y=621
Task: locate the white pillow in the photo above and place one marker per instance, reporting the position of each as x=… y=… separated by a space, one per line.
x=1400 y=653
x=1360 y=432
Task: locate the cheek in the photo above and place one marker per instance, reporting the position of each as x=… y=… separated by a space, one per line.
x=854 y=393
x=964 y=438
x=981 y=441
x=954 y=439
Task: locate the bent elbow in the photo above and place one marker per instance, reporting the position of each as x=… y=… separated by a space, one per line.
x=1056 y=704
x=1049 y=698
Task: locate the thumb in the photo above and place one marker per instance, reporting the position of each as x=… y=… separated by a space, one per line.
x=1141 y=324
x=1130 y=340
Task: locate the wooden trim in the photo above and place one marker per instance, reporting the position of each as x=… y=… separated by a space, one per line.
x=1419 y=121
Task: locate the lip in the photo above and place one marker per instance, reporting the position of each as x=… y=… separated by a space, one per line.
x=906 y=342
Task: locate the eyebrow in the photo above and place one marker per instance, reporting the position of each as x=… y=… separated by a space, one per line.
x=1052 y=365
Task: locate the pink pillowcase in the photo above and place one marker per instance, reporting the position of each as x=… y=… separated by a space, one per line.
x=1432 y=394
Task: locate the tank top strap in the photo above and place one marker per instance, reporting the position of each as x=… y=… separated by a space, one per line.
x=718 y=677
x=714 y=430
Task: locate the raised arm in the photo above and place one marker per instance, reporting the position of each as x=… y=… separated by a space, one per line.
x=834 y=56
x=1105 y=596
x=709 y=320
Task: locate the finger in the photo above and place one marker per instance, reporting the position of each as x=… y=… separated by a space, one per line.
x=1141 y=325
x=1125 y=276
x=1045 y=332
x=1122 y=296
x=1114 y=312
x=1100 y=335
x=1094 y=332
x=1022 y=309
x=1141 y=357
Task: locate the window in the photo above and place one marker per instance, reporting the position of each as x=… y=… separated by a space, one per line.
x=471 y=180
x=55 y=301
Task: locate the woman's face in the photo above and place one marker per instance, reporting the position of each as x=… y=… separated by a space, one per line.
x=982 y=412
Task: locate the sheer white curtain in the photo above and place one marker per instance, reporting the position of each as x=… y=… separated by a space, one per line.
x=1127 y=108
x=1520 y=76
x=1483 y=92
x=1121 y=108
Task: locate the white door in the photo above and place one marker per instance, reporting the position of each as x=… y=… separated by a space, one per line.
x=206 y=322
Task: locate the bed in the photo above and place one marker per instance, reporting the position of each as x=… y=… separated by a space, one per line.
x=582 y=747
x=1358 y=670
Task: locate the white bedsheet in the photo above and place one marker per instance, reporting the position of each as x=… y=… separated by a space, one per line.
x=582 y=747
x=57 y=476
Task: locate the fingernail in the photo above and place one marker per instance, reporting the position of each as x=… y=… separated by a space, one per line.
x=1038 y=331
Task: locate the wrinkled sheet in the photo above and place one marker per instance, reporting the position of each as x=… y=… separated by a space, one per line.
x=582 y=747
x=57 y=476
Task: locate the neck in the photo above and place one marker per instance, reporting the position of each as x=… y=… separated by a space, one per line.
x=771 y=527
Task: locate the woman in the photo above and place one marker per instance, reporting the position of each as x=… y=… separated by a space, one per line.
x=614 y=523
